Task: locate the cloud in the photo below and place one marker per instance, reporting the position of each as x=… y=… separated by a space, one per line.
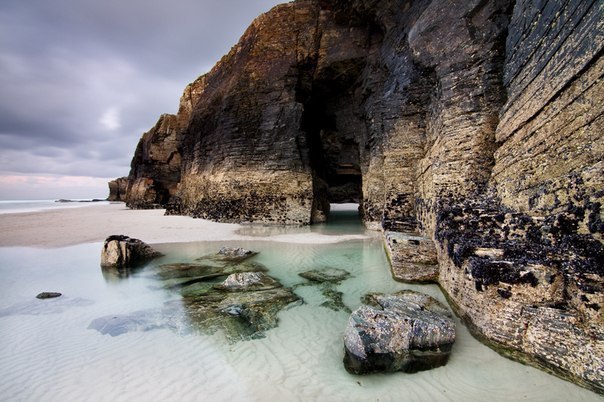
x=111 y=119
x=53 y=187
x=83 y=79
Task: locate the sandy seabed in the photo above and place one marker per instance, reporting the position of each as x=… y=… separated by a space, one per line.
x=48 y=353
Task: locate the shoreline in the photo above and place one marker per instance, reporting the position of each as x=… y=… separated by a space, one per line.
x=72 y=226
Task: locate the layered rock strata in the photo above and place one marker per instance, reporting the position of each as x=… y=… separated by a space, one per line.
x=474 y=125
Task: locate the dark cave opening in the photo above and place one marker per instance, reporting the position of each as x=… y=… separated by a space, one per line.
x=334 y=129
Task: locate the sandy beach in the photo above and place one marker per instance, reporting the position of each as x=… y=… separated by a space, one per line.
x=89 y=224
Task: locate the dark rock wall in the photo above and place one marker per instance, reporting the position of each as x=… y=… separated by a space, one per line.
x=477 y=124
x=551 y=153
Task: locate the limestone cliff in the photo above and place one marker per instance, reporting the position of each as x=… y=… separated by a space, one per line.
x=469 y=131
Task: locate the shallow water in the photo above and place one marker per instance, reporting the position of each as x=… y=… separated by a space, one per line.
x=48 y=353
x=22 y=206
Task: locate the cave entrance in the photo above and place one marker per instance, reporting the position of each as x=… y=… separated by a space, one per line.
x=334 y=129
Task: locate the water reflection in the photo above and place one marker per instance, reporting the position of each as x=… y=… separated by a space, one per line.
x=115 y=274
x=343 y=220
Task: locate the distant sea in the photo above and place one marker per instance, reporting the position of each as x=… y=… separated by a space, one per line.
x=19 y=206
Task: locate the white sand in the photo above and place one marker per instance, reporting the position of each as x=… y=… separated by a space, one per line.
x=71 y=226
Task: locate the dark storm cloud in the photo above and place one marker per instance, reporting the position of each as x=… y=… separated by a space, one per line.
x=81 y=80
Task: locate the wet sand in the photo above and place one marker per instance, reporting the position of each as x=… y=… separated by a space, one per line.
x=68 y=227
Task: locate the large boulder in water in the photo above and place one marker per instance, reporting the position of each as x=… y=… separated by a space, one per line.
x=121 y=251
x=406 y=331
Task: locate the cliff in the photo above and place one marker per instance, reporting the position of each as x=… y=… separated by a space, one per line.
x=469 y=131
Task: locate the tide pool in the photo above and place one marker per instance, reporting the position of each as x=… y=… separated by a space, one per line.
x=48 y=352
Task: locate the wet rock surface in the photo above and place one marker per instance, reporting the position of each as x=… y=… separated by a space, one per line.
x=530 y=286
x=121 y=251
x=405 y=331
x=48 y=295
x=248 y=281
x=235 y=253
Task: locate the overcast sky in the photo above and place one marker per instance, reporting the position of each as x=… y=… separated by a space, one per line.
x=81 y=80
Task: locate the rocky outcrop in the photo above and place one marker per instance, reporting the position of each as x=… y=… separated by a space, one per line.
x=529 y=286
x=118 y=189
x=405 y=331
x=121 y=251
x=476 y=127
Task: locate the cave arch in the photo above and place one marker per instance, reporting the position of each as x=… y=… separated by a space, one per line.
x=335 y=130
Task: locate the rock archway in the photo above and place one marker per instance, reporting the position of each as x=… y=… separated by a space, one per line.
x=335 y=129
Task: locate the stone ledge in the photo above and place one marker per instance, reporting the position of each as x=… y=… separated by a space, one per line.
x=412 y=257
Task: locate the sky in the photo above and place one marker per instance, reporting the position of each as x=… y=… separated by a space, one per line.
x=82 y=80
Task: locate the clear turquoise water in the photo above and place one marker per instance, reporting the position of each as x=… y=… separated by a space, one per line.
x=48 y=353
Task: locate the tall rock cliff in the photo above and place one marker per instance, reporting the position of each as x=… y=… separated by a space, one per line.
x=469 y=131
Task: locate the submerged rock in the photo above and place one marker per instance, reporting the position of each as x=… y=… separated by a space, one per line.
x=334 y=298
x=235 y=253
x=191 y=278
x=248 y=281
x=220 y=292
x=241 y=314
x=121 y=251
x=326 y=275
x=169 y=317
x=327 y=279
x=48 y=295
x=406 y=331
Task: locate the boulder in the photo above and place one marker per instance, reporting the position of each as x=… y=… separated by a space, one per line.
x=405 y=331
x=121 y=251
x=325 y=275
x=245 y=281
x=235 y=253
x=48 y=295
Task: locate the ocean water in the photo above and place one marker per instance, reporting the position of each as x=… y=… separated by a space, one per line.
x=48 y=353
x=19 y=206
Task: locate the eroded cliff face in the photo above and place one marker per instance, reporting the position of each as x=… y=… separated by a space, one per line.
x=469 y=131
